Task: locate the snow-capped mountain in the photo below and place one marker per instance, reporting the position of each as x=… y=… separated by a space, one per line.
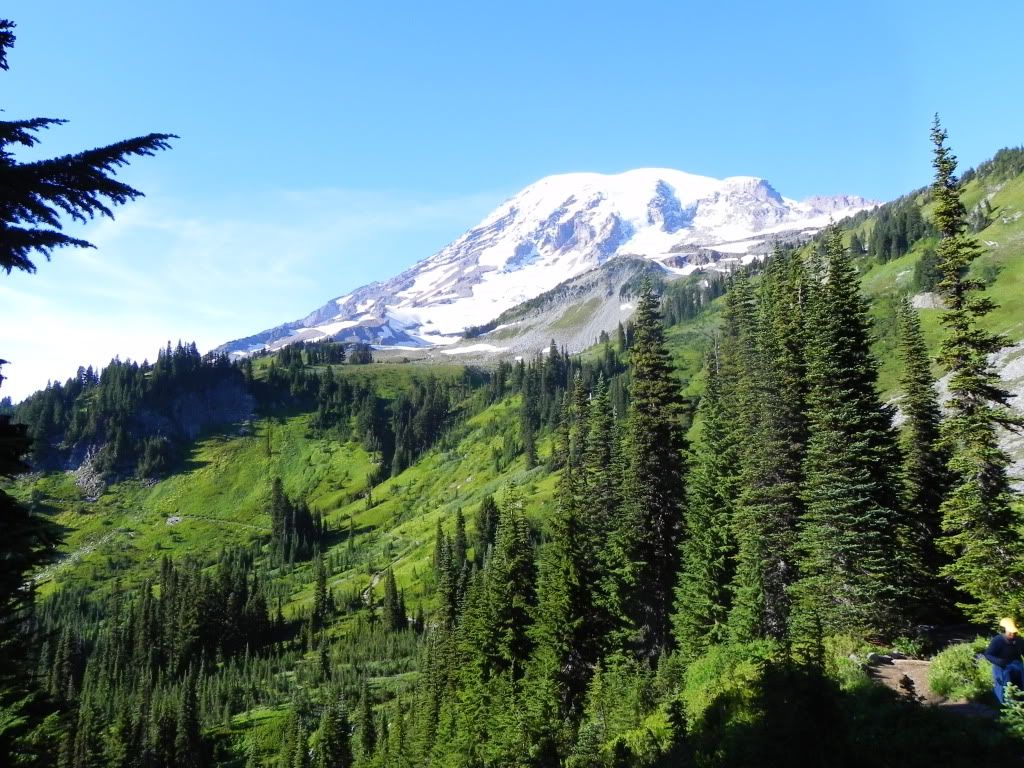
x=553 y=230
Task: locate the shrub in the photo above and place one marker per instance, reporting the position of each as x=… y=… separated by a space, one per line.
x=726 y=671
x=1012 y=715
x=842 y=654
x=956 y=675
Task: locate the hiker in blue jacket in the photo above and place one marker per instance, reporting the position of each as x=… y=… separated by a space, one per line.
x=1005 y=652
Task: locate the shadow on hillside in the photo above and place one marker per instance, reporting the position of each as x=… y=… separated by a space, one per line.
x=334 y=536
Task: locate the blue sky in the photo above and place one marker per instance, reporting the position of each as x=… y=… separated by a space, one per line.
x=333 y=143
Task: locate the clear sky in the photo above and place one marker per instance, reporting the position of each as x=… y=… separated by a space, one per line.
x=332 y=142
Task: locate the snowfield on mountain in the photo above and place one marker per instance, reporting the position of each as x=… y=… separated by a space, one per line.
x=552 y=231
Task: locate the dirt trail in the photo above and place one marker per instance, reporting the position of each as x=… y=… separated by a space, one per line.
x=71 y=558
x=221 y=521
x=909 y=678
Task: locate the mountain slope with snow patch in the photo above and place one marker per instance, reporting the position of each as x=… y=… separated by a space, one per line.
x=555 y=229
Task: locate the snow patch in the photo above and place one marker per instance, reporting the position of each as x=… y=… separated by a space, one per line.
x=473 y=348
x=332 y=328
x=742 y=246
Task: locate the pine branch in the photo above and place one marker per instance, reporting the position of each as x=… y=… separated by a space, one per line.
x=21 y=132
x=79 y=186
x=6 y=40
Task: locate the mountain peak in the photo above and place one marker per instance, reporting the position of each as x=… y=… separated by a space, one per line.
x=552 y=230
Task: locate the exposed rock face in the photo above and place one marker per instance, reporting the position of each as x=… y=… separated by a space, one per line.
x=195 y=412
x=1011 y=370
x=926 y=301
x=555 y=229
x=1009 y=362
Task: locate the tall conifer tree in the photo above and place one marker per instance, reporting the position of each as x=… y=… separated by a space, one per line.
x=188 y=743
x=772 y=448
x=924 y=472
x=646 y=542
x=739 y=386
x=571 y=621
x=703 y=596
x=851 y=563
x=981 y=531
x=333 y=738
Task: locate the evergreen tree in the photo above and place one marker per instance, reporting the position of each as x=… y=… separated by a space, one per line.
x=394 y=614
x=770 y=401
x=853 y=556
x=321 y=596
x=366 y=725
x=300 y=753
x=529 y=439
x=188 y=743
x=565 y=630
x=579 y=424
x=740 y=382
x=981 y=531
x=290 y=745
x=35 y=196
x=924 y=474
x=510 y=590
x=29 y=540
x=600 y=469
x=646 y=542
x=598 y=510
x=448 y=586
x=280 y=510
x=486 y=529
x=703 y=595
x=333 y=739
x=460 y=543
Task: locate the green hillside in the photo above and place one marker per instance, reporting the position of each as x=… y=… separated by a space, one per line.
x=385 y=456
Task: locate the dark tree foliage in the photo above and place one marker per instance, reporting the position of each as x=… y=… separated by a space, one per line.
x=926 y=271
x=136 y=418
x=1007 y=163
x=703 y=596
x=366 y=727
x=571 y=623
x=394 y=615
x=853 y=559
x=361 y=354
x=898 y=226
x=485 y=529
x=684 y=300
x=296 y=533
x=924 y=475
x=333 y=738
x=29 y=541
x=647 y=537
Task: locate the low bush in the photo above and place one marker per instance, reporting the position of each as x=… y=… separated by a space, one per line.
x=956 y=674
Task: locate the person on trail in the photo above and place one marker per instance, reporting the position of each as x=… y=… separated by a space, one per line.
x=1004 y=651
